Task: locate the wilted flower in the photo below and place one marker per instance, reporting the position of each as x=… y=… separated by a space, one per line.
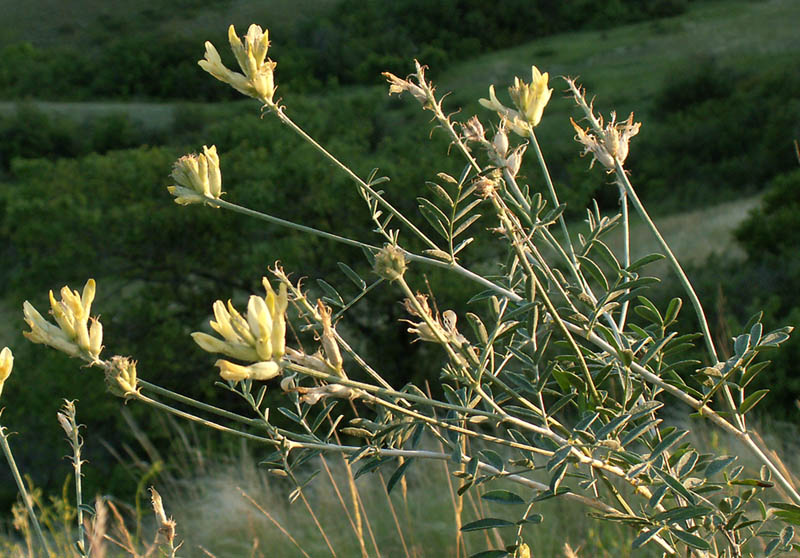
x=613 y=143
x=6 y=365
x=328 y=337
x=198 y=177
x=73 y=335
x=514 y=161
x=473 y=130
x=259 y=337
x=258 y=80
x=433 y=329
x=312 y=395
x=397 y=85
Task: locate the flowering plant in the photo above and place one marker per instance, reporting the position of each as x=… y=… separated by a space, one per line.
x=554 y=390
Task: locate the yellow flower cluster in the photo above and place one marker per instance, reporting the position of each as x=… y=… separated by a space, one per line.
x=259 y=338
x=258 y=80
x=73 y=334
x=198 y=177
x=530 y=100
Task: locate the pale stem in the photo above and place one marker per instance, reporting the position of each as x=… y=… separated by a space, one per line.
x=626 y=247
x=452 y=266
x=684 y=280
x=275 y=109
x=702 y=409
x=553 y=196
x=199 y=404
x=22 y=490
x=76 y=463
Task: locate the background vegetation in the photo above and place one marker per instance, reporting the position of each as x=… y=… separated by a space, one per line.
x=97 y=102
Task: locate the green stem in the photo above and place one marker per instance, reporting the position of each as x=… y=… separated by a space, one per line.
x=353 y=176
x=626 y=248
x=684 y=280
x=199 y=404
x=22 y=490
x=553 y=196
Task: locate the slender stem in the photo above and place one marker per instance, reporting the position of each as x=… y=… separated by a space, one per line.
x=353 y=176
x=553 y=196
x=702 y=409
x=684 y=280
x=626 y=248
x=22 y=490
x=676 y=266
x=199 y=404
x=289 y=224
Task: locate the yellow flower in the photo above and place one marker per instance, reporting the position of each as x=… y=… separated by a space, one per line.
x=73 y=335
x=258 y=80
x=258 y=337
x=530 y=99
x=198 y=177
x=257 y=371
x=6 y=364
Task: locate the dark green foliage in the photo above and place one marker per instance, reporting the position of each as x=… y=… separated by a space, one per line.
x=717 y=132
x=774 y=228
x=353 y=43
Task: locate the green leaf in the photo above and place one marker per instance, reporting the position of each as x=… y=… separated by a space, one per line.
x=434 y=216
x=691 y=540
x=672 y=310
x=645 y=537
x=466 y=224
x=331 y=293
x=752 y=400
x=718 y=465
x=492 y=458
x=676 y=485
x=533 y=519
x=641 y=262
x=486 y=523
x=593 y=270
x=490 y=554
x=667 y=443
x=558 y=476
x=681 y=514
x=466 y=209
x=752 y=371
x=503 y=497
x=398 y=474
x=352 y=275
x=638 y=431
x=440 y=192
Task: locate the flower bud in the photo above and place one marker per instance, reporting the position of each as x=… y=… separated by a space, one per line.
x=6 y=365
x=390 y=262
x=121 y=378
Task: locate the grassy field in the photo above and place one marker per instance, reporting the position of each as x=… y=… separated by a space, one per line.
x=623 y=66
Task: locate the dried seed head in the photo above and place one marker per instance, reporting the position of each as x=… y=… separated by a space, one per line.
x=473 y=130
